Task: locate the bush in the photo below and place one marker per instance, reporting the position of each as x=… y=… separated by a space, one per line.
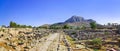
x=73 y=33
x=97 y=43
x=106 y=33
x=66 y=26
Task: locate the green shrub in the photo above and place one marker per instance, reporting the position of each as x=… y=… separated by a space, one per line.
x=97 y=43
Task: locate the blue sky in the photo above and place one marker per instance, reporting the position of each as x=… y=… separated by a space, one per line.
x=39 y=12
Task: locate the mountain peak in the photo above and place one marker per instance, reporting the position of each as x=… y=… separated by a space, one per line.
x=75 y=19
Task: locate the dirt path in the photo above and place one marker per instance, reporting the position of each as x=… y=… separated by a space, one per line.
x=43 y=45
x=54 y=45
x=46 y=44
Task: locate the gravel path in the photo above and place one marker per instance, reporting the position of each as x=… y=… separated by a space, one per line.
x=54 y=45
x=46 y=44
x=43 y=46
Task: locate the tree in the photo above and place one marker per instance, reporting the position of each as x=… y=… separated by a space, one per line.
x=23 y=26
x=93 y=25
x=18 y=25
x=13 y=24
x=29 y=26
x=66 y=26
x=108 y=24
x=118 y=29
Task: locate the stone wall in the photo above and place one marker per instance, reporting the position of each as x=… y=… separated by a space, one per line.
x=90 y=34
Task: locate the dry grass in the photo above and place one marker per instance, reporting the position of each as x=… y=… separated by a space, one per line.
x=82 y=49
x=70 y=41
x=2 y=44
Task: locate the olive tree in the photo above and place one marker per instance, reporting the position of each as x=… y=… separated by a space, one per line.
x=93 y=25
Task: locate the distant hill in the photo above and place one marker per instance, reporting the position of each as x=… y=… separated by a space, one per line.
x=76 y=21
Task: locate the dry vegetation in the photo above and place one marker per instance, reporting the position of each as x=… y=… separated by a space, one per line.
x=20 y=39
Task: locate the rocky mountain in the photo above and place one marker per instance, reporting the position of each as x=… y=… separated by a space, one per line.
x=76 y=21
